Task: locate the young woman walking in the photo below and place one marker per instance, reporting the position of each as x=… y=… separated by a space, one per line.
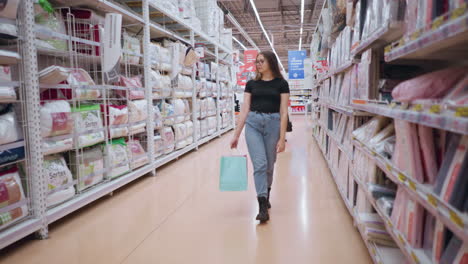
x=265 y=116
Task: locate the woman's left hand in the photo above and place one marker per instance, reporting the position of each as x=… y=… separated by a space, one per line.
x=281 y=146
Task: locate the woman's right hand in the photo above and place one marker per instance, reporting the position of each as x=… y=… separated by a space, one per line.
x=234 y=142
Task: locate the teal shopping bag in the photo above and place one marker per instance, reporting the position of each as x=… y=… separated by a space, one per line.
x=233 y=174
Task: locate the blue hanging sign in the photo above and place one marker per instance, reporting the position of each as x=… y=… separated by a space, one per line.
x=296 y=64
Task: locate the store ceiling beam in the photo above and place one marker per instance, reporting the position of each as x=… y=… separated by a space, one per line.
x=233 y=21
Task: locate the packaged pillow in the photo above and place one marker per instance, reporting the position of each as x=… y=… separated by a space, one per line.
x=87 y=120
x=132 y=45
x=6 y=93
x=10 y=130
x=56 y=118
x=432 y=85
x=137 y=154
x=188 y=112
x=168 y=113
x=116 y=158
x=138 y=128
x=180 y=135
x=52 y=22
x=116 y=115
x=13 y=153
x=137 y=111
x=54 y=75
x=189 y=132
x=132 y=83
x=167 y=136
x=158 y=146
x=179 y=110
x=59 y=180
x=161 y=84
x=459 y=95
x=88 y=168
x=11 y=194
x=158 y=118
x=54 y=145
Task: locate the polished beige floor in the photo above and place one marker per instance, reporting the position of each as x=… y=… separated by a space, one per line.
x=181 y=217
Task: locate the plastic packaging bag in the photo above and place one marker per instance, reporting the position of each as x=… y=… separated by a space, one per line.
x=89 y=169
x=132 y=82
x=116 y=158
x=10 y=130
x=432 y=85
x=137 y=155
x=233 y=173
x=60 y=180
x=370 y=129
x=11 y=193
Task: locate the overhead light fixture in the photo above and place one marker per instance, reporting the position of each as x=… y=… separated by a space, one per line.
x=240 y=43
x=302 y=24
x=265 y=33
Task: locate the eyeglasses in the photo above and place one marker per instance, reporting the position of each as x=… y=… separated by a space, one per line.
x=259 y=61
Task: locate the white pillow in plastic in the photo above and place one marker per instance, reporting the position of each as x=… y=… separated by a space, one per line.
x=136 y=129
x=158 y=146
x=137 y=111
x=56 y=118
x=116 y=158
x=59 y=180
x=87 y=120
x=137 y=154
x=88 y=168
x=12 y=193
x=168 y=138
x=180 y=134
x=189 y=132
x=179 y=110
x=188 y=112
x=168 y=113
x=10 y=130
x=133 y=45
x=118 y=115
x=56 y=146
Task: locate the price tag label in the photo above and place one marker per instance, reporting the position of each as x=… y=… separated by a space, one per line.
x=389 y=223
x=432 y=200
x=418 y=107
x=388 y=49
x=456 y=218
x=412 y=185
x=459 y=11
x=401 y=177
x=415 y=258
x=435 y=109
x=437 y=22
x=373 y=251
x=416 y=35
x=461 y=112
x=401 y=42
x=402 y=240
x=393 y=105
x=389 y=167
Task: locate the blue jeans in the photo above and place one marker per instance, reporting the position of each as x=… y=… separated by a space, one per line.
x=262 y=132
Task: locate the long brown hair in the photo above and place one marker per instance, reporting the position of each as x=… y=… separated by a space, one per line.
x=270 y=57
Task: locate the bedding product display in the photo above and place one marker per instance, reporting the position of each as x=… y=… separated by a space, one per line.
x=180 y=133
x=163 y=60
x=158 y=145
x=167 y=110
x=137 y=111
x=184 y=86
x=370 y=129
x=88 y=125
x=168 y=137
x=158 y=118
x=134 y=84
x=10 y=129
x=116 y=115
x=179 y=110
x=12 y=194
x=211 y=125
x=54 y=75
x=6 y=93
x=52 y=22
x=434 y=85
x=189 y=132
x=116 y=158
x=131 y=45
x=88 y=167
x=407 y=155
x=60 y=180
x=161 y=84
x=137 y=155
x=56 y=118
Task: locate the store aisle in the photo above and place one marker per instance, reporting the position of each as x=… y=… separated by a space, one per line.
x=181 y=217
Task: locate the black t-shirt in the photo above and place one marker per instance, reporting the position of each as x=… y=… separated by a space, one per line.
x=266 y=95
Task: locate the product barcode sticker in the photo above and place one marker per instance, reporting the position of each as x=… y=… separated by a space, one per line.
x=401 y=177
x=432 y=200
x=456 y=218
x=415 y=258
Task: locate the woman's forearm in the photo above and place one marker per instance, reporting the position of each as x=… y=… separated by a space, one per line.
x=284 y=125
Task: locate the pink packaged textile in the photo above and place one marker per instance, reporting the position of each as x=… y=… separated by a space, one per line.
x=407 y=156
x=132 y=82
x=459 y=95
x=415 y=223
x=429 y=86
x=428 y=154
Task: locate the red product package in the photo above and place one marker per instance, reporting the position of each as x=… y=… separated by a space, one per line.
x=132 y=82
x=432 y=85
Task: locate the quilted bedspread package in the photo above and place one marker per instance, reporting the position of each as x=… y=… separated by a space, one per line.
x=11 y=194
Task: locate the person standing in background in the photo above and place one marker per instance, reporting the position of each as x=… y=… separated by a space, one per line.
x=265 y=116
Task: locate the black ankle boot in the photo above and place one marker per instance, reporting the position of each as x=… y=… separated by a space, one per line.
x=268 y=199
x=263 y=210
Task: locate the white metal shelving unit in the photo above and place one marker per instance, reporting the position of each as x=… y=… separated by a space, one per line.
x=140 y=20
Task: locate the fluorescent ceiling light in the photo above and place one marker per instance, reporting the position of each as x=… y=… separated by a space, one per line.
x=302 y=24
x=240 y=43
x=265 y=33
